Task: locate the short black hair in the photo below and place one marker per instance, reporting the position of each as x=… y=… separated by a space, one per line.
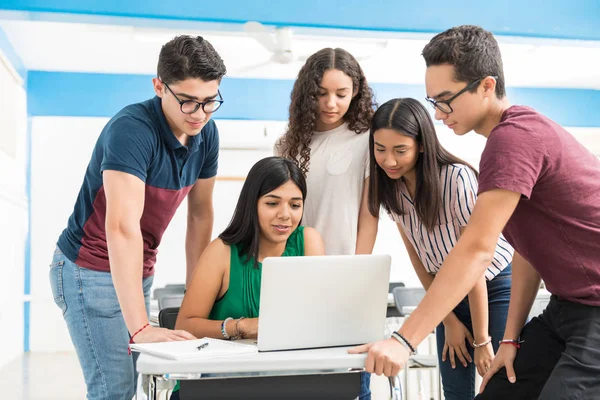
x=264 y=177
x=189 y=57
x=472 y=51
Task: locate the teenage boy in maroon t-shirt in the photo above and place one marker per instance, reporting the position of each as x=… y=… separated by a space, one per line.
x=541 y=188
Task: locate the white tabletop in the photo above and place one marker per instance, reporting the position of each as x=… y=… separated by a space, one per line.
x=336 y=358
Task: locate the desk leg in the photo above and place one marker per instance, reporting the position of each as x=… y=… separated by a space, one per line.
x=151 y=387
x=395 y=388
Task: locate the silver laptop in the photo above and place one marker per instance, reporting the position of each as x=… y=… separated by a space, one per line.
x=322 y=301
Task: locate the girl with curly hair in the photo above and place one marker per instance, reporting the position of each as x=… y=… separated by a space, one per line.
x=328 y=137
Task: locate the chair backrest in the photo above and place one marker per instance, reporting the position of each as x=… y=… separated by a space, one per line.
x=407 y=296
x=395 y=285
x=170 y=300
x=167 y=317
x=170 y=289
x=539 y=304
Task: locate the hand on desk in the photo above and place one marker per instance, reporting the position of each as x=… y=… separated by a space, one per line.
x=249 y=328
x=505 y=358
x=153 y=334
x=385 y=357
x=457 y=335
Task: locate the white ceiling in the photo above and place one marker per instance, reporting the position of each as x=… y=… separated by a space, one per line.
x=74 y=47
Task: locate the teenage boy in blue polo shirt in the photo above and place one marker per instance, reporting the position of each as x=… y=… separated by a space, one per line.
x=148 y=158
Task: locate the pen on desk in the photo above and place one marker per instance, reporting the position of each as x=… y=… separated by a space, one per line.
x=203 y=345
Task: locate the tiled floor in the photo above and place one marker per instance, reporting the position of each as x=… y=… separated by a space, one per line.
x=57 y=376
x=43 y=376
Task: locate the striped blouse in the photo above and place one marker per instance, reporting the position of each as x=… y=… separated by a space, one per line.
x=459 y=191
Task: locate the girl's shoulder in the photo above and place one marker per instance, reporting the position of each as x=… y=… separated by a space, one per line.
x=218 y=251
x=219 y=245
x=457 y=168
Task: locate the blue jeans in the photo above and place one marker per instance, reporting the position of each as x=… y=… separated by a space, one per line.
x=90 y=307
x=365 y=386
x=459 y=383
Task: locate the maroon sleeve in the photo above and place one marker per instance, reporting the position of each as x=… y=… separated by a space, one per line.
x=513 y=159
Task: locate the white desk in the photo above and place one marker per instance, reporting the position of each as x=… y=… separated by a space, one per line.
x=336 y=358
x=325 y=371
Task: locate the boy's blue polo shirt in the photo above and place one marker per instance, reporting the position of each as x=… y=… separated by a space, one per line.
x=138 y=141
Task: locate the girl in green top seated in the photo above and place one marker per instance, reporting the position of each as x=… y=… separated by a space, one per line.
x=223 y=297
x=222 y=300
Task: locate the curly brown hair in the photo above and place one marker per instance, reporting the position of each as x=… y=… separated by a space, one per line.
x=304 y=108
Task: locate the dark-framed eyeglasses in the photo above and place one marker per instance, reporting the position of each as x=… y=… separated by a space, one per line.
x=444 y=105
x=191 y=106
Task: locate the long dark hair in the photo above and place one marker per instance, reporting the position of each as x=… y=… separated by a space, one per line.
x=304 y=108
x=410 y=118
x=265 y=176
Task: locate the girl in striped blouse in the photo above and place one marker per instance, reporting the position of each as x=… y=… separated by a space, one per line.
x=430 y=194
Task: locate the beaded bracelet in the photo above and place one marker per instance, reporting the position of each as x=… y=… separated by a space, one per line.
x=482 y=344
x=398 y=336
x=223 y=326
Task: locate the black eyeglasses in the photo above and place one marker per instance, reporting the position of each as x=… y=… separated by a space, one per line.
x=191 y=106
x=444 y=105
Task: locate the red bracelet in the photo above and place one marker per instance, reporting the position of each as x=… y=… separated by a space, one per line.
x=132 y=336
x=516 y=343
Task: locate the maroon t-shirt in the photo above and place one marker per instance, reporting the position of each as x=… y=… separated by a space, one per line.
x=556 y=225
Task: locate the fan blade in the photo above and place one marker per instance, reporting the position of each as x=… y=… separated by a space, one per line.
x=254 y=27
x=261 y=34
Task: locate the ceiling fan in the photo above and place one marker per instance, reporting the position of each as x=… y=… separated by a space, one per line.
x=279 y=42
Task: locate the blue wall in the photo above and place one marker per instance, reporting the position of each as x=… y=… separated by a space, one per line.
x=102 y=95
x=574 y=19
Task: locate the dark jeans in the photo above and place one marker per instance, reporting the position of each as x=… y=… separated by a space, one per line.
x=459 y=383
x=559 y=359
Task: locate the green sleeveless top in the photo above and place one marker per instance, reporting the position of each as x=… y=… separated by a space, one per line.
x=242 y=298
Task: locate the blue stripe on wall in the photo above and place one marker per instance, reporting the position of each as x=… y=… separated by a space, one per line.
x=102 y=95
x=27 y=316
x=563 y=19
x=27 y=287
x=27 y=267
x=12 y=56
